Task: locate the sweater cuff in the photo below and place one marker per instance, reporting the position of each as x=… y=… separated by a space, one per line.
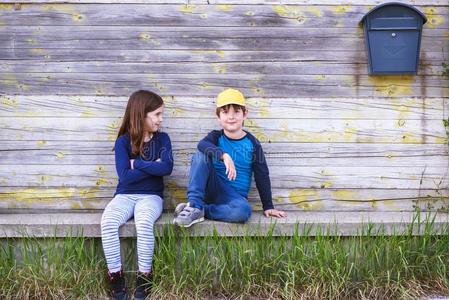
x=268 y=207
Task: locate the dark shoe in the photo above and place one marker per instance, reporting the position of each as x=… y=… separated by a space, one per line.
x=118 y=285
x=144 y=283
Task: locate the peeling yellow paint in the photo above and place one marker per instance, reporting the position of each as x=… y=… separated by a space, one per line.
x=32 y=41
x=218 y=52
x=5 y=6
x=344 y=195
x=393 y=85
x=113 y=129
x=440 y=140
x=159 y=87
x=433 y=19
x=205 y=85
x=45 y=178
x=60 y=154
x=341 y=9
x=187 y=9
x=77 y=17
x=389 y=203
x=23 y=87
x=320 y=77
x=349 y=134
x=37 y=50
x=100 y=169
x=35 y=196
x=176 y=193
x=290 y=11
x=225 y=7
x=256 y=130
x=102 y=181
x=401 y=123
x=326 y=184
x=249 y=13
x=144 y=36
x=10 y=101
x=410 y=138
x=41 y=143
x=261 y=105
x=302 y=198
x=314 y=10
x=176 y=111
x=87 y=113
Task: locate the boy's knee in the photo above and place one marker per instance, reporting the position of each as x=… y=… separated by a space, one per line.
x=241 y=213
x=246 y=211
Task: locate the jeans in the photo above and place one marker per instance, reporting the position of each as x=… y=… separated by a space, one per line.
x=209 y=191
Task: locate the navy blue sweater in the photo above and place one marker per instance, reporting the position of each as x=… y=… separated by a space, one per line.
x=147 y=175
x=208 y=146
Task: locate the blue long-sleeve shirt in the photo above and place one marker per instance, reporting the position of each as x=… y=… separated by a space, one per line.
x=147 y=175
x=209 y=146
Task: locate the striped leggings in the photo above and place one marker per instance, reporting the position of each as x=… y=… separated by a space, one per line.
x=146 y=209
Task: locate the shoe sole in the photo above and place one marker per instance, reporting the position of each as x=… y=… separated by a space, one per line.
x=190 y=224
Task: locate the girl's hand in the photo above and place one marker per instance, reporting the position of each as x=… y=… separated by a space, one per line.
x=275 y=213
x=132 y=164
x=230 y=168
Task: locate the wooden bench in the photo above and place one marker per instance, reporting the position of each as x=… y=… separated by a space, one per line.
x=310 y=223
x=337 y=140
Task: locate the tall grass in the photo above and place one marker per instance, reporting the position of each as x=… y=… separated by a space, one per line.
x=367 y=266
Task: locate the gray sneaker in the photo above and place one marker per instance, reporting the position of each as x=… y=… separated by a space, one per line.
x=189 y=216
x=179 y=208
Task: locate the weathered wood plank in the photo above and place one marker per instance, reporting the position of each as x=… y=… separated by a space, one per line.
x=267 y=130
x=277 y=154
x=235 y=2
x=198 y=15
x=108 y=38
x=252 y=85
x=88 y=198
x=148 y=33
x=200 y=107
x=125 y=37
x=272 y=68
x=291 y=177
x=296 y=223
x=209 y=55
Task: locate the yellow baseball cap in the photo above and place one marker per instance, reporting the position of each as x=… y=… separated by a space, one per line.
x=230 y=96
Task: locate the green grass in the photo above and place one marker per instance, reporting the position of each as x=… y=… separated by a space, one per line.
x=368 y=266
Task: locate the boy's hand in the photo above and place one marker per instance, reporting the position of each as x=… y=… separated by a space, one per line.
x=275 y=213
x=230 y=168
x=132 y=164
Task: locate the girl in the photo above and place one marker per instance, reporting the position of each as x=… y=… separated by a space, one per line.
x=143 y=155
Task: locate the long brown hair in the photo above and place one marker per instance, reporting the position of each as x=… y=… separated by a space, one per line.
x=139 y=104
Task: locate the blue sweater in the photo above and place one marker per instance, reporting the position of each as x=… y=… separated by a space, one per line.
x=209 y=146
x=241 y=152
x=147 y=175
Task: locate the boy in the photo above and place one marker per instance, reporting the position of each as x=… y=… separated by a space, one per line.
x=221 y=171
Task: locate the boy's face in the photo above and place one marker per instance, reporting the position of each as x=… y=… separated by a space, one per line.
x=231 y=119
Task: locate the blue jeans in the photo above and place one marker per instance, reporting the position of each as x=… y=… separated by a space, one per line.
x=209 y=191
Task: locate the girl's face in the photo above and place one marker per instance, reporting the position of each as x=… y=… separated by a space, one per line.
x=154 y=119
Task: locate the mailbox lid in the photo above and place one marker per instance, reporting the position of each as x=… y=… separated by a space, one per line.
x=394 y=10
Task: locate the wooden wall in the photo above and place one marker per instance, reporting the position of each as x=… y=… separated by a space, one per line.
x=335 y=138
